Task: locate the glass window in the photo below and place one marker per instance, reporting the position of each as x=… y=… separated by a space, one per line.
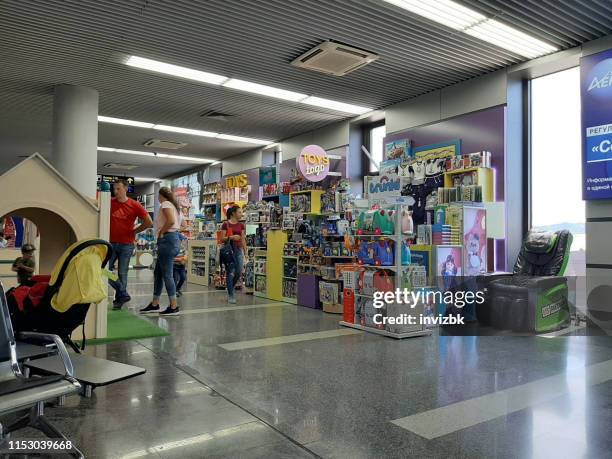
x=377 y=135
x=556 y=164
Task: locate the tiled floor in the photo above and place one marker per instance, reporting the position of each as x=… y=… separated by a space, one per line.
x=336 y=394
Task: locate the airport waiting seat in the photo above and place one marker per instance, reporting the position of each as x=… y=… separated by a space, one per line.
x=20 y=394
x=534 y=298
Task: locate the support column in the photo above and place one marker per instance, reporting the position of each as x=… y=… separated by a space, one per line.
x=75 y=136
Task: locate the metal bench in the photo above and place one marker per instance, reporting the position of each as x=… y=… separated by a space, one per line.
x=19 y=394
x=91 y=372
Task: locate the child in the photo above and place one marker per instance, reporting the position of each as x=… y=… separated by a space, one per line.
x=25 y=265
x=180 y=270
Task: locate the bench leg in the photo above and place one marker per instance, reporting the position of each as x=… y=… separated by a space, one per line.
x=61 y=401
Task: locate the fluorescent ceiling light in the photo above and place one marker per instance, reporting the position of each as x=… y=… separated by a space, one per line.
x=134 y=152
x=264 y=90
x=334 y=105
x=260 y=89
x=509 y=38
x=244 y=139
x=190 y=158
x=180 y=130
x=444 y=12
x=108 y=119
x=162 y=127
x=158 y=155
x=175 y=70
x=147 y=179
x=458 y=17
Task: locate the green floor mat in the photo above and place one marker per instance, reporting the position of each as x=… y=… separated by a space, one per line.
x=123 y=326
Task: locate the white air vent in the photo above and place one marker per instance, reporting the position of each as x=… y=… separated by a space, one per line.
x=125 y=167
x=334 y=58
x=167 y=144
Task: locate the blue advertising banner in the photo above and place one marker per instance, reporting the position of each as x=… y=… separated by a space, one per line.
x=596 y=95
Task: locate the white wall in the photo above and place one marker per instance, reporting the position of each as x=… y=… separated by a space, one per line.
x=469 y=96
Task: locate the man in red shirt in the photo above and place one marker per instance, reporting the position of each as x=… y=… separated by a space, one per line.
x=124 y=212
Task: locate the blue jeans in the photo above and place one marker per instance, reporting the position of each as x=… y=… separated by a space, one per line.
x=180 y=274
x=234 y=271
x=122 y=253
x=168 y=247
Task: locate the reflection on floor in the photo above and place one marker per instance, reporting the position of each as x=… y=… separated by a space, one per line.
x=266 y=380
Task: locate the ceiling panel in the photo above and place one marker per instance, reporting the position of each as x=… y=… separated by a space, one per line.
x=85 y=42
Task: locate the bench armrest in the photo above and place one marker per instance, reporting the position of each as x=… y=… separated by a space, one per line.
x=61 y=349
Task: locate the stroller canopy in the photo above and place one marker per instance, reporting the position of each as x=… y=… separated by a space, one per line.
x=78 y=275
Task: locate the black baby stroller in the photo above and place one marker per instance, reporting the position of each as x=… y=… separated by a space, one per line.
x=58 y=303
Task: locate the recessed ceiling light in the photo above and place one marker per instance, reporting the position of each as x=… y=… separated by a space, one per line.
x=180 y=130
x=162 y=127
x=444 y=12
x=147 y=179
x=334 y=105
x=241 y=85
x=134 y=152
x=459 y=17
x=191 y=158
x=175 y=70
x=108 y=119
x=264 y=90
x=237 y=138
x=509 y=38
x=159 y=155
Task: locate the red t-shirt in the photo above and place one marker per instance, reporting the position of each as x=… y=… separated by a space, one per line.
x=232 y=229
x=123 y=218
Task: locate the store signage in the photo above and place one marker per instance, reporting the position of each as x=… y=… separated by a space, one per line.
x=384 y=185
x=596 y=97
x=267 y=175
x=237 y=181
x=114 y=178
x=313 y=163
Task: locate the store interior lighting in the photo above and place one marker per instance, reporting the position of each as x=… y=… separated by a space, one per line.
x=242 y=85
x=158 y=155
x=459 y=17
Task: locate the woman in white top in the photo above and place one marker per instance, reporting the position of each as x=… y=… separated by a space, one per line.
x=167 y=223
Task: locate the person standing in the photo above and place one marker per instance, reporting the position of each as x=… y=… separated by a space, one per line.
x=124 y=213
x=167 y=225
x=234 y=230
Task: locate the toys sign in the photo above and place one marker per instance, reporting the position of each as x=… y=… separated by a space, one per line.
x=237 y=181
x=313 y=163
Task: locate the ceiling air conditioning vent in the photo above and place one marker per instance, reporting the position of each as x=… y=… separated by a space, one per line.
x=121 y=166
x=334 y=58
x=167 y=144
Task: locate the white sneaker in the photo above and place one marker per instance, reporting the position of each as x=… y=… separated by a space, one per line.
x=231 y=300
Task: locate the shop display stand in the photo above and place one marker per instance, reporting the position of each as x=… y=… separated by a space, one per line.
x=397 y=268
x=199 y=266
x=259 y=273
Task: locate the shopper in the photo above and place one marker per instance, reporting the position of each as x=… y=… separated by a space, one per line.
x=234 y=230
x=124 y=213
x=180 y=263
x=25 y=265
x=167 y=225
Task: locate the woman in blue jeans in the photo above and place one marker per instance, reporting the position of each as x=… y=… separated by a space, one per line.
x=234 y=230
x=167 y=223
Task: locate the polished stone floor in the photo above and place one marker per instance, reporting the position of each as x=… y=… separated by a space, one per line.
x=263 y=379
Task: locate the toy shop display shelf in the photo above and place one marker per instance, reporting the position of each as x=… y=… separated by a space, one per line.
x=259 y=277
x=199 y=257
x=378 y=331
x=290 y=300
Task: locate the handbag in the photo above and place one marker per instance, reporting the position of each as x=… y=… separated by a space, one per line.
x=227 y=255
